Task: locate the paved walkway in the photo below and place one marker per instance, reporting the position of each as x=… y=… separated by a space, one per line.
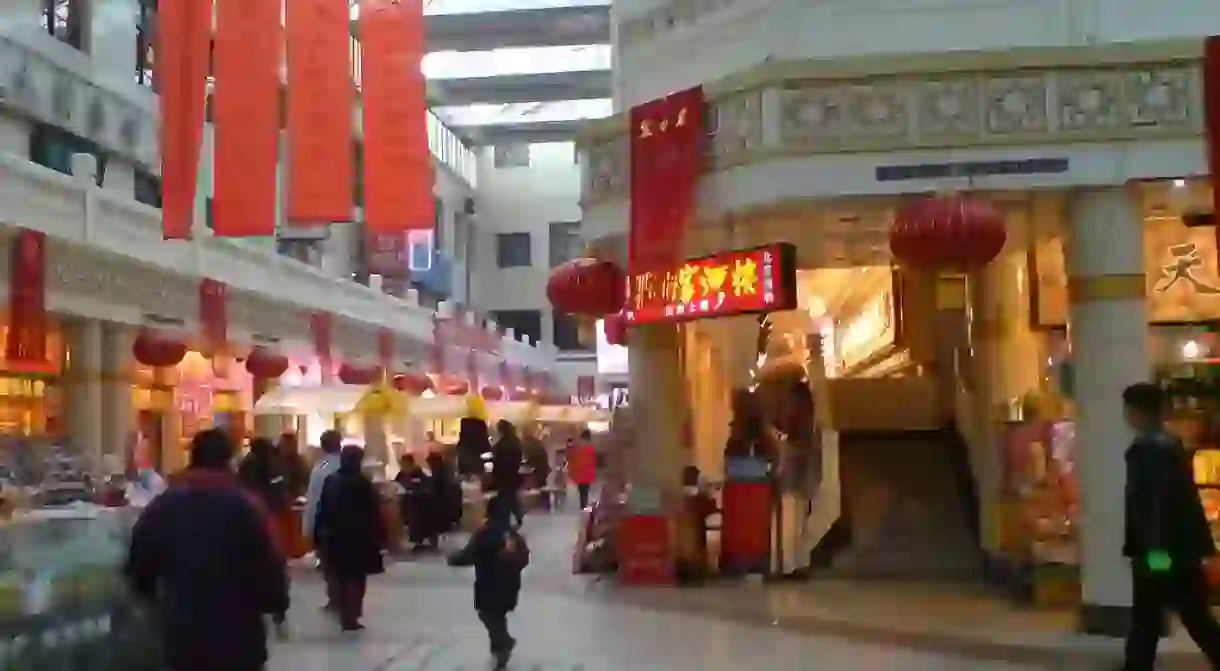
x=420 y=618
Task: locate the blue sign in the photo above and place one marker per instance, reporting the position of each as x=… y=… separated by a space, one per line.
x=435 y=275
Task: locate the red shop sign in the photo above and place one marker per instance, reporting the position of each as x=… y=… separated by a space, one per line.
x=761 y=279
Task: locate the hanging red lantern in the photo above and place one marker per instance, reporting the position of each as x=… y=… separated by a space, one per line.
x=414 y=384
x=615 y=328
x=457 y=388
x=948 y=233
x=158 y=350
x=520 y=394
x=491 y=393
x=586 y=286
x=265 y=363
x=361 y=375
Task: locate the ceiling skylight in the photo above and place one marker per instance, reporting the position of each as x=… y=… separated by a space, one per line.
x=477 y=6
x=516 y=61
x=516 y=113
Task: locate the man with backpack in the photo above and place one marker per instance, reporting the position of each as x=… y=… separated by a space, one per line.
x=498 y=553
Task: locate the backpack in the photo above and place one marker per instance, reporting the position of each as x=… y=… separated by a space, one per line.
x=515 y=552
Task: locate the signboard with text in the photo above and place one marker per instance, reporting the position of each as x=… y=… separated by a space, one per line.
x=744 y=281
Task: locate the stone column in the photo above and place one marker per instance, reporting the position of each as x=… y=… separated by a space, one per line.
x=118 y=413
x=266 y=426
x=1108 y=315
x=84 y=392
x=658 y=410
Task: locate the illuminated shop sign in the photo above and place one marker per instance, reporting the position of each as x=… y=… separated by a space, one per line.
x=762 y=279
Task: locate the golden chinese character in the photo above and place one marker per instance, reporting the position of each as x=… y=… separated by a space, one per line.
x=713 y=279
x=686 y=282
x=669 y=288
x=645 y=129
x=681 y=118
x=745 y=277
x=643 y=290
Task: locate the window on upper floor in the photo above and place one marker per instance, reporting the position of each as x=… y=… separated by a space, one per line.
x=53 y=147
x=147 y=188
x=563 y=241
x=511 y=155
x=513 y=250
x=566 y=332
x=523 y=322
x=146 y=22
x=65 y=21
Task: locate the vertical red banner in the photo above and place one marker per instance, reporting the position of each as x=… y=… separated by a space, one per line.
x=321 y=96
x=1211 y=116
x=322 y=324
x=214 y=314
x=667 y=139
x=246 y=116
x=398 y=175
x=25 y=347
x=385 y=348
x=388 y=255
x=472 y=369
x=184 y=30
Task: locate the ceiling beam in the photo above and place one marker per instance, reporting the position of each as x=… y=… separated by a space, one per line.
x=525 y=131
x=545 y=87
x=551 y=26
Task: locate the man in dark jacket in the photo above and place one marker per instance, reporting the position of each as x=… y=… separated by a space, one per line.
x=202 y=556
x=506 y=467
x=1167 y=536
x=498 y=554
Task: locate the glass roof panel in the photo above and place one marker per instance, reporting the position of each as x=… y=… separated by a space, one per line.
x=516 y=61
x=477 y=6
x=514 y=113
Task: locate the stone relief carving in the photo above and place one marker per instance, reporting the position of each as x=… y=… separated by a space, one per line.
x=950 y=106
x=1160 y=97
x=811 y=116
x=876 y=110
x=1016 y=104
x=1089 y=100
x=735 y=124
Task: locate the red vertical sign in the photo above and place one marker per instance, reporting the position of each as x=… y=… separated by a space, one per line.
x=397 y=164
x=321 y=96
x=214 y=314
x=25 y=347
x=246 y=116
x=321 y=324
x=667 y=137
x=183 y=32
x=1211 y=115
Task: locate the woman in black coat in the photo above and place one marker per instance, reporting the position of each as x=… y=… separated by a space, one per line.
x=350 y=532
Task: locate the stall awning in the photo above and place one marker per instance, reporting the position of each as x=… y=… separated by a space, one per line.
x=310 y=400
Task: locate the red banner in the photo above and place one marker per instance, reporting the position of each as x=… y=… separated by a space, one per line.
x=645 y=550
x=25 y=347
x=321 y=95
x=385 y=347
x=183 y=33
x=214 y=314
x=1211 y=115
x=397 y=164
x=246 y=116
x=322 y=324
x=667 y=139
x=388 y=255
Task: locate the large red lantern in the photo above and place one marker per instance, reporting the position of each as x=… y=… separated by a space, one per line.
x=948 y=233
x=354 y=374
x=491 y=393
x=586 y=286
x=615 y=328
x=264 y=363
x=412 y=383
x=158 y=350
x=520 y=394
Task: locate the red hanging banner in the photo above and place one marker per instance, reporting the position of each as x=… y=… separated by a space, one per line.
x=398 y=175
x=667 y=138
x=385 y=347
x=246 y=116
x=214 y=314
x=472 y=367
x=321 y=324
x=1211 y=115
x=321 y=95
x=183 y=33
x=25 y=347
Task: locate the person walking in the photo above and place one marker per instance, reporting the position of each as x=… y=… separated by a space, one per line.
x=293 y=465
x=499 y=554
x=351 y=534
x=506 y=467
x=202 y=556
x=445 y=495
x=325 y=467
x=582 y=467
x=262 y=474
x=1166 y=535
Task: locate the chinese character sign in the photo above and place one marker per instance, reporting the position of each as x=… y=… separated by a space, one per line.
x=762 y=279
x=667 y=137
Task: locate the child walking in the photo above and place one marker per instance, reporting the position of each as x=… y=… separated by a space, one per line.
x=499 y=554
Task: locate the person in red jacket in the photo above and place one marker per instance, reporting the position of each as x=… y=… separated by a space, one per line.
x=582 y=466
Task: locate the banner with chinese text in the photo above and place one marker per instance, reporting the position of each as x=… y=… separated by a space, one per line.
x=1211 y=115
x=182 y=37
x=667 y=138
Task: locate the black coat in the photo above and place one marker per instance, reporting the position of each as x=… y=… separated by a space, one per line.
x=349 y=529
x=506 y=464
x=202 y=554
x=1163 y=511
x=497 y=578
x=263 y=473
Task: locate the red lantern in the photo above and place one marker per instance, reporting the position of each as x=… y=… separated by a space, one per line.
x=457 y=388
x=587 y=287
x=948 y=233
x=520 y=394
x=158 y=350
x=264 y=363
x=362 y=375
x=615 y=327
x=412 y=384
x=492 y=393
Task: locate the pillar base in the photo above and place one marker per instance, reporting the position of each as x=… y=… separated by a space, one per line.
x=1110 y=621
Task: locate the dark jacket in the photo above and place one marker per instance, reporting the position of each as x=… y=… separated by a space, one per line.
x=498 y=554
x=445 y=494
x=1163 y=511
x=263 y=474
x=506 y=464
x=202 y=554
x=349 y=529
